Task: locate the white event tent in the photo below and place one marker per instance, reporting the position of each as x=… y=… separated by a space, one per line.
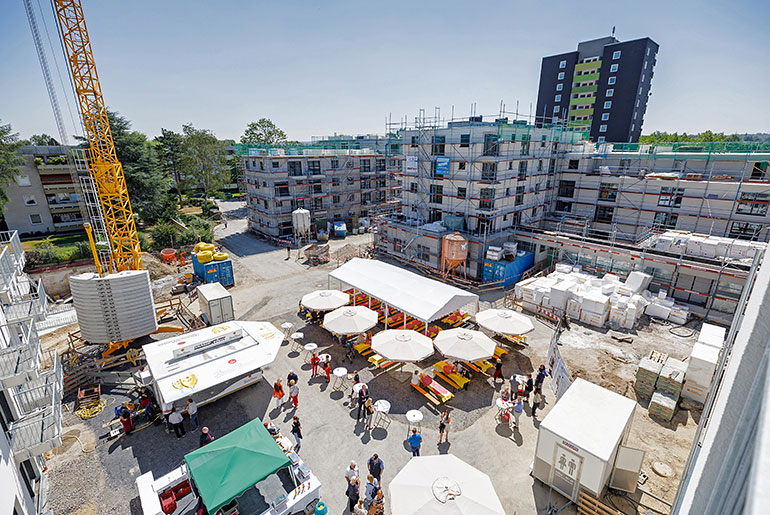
x=418 y=296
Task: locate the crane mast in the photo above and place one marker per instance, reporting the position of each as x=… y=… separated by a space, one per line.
x=103 y=163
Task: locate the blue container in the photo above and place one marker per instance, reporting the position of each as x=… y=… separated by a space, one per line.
x=214 y=271
x=340 y=229
x=508 y=272
x=320 y=508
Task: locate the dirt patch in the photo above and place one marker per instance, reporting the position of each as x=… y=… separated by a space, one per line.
x=157 y=268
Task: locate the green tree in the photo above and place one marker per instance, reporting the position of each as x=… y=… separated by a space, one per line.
x=10 y=161
x=148 y=185
x=170 y=147
x=205 y=161
x=263 y=132
x=674 y=137
x=42 y=140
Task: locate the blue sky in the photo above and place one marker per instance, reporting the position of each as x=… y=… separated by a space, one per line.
x=316 y=68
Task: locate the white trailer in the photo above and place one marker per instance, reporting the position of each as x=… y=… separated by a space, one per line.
x=580 y=444
x=210 y=363
x=215 y=303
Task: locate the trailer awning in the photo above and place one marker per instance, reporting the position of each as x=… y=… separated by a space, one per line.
x=418 y=296
x=228 y=466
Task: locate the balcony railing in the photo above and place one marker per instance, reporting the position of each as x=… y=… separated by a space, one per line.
x=20 y=354
x=37 y=433
x=41 y=392
x=12 y=258
x=33 y=303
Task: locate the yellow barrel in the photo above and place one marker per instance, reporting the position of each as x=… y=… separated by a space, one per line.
x=220 y=256
x=204 y=256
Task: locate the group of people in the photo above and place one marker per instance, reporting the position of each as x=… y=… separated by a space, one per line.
x=373 y=500
x=519 y=394
x=325 y=366
x=279 y=393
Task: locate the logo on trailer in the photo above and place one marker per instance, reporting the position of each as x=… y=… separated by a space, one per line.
x=181 y=343
x=232 y=361
x=567 y=444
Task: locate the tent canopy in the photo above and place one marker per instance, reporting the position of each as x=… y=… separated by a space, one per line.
x=228 y=466
x=415 y=295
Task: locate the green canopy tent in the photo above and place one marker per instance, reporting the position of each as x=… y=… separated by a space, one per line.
x=228 y=466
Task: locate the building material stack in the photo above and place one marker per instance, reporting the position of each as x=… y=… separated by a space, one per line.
x=665 y=308
x=702 y=363
x=701 y=245
x=668 y=388
x=646 y=377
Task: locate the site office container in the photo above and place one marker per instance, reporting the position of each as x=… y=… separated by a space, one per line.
x=507 y=271
x=216 y=303
x=214 y=271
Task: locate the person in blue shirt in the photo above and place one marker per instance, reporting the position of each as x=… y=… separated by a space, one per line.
x=415 y=440
x=375 y=466
x=540 y=377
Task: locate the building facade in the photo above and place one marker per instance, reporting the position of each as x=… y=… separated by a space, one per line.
x=604 y=85
x=44 y=197
x=30 y=386
x=334 y=182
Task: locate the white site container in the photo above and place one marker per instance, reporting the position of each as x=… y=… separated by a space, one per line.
x=216 y=303
x=579 y=439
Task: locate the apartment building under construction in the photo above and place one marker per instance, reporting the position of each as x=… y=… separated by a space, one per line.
x=336 y=179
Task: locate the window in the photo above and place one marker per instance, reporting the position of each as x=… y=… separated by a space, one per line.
x=525 y=146
x=645 y=65
x=262 y=165
x=35 y=219
x=633 y=126
x=414 y=141
x=30 y=200
x=380 y=165
x=295 y=168
x=604 y=214
x=490 y=145
x=366 y=166
x=519 y=199
x=609 y=92
x=462 y=192
x=561 y=75
x=488 y=171
x=317 y=188
x=642 y=77
x=611 y=80
x=567 y=189
x=436 y=193
x=559 y=86
x=608 y=192
x=23 y=180
x=413 y=187
x=461 y=165
x=487 y=198
x=745 y=230
x=613 y=68
x=605 y=117
x=314 y=167
x=603 y=128
x=557 y=98
x=334 y=164
x=573 y=164
x=335 y=200
x=522 y=170
x=600 y=139
x=616 y=54
x=754 y=204
x=759 y=169
x=556 y=109
x=670 y=197
x=565 y=207
x=465 y=140
x=276 y=164
x=562 y=64
x=665 y=220
x=539 y=165
x=437 y=148
x=608 y=104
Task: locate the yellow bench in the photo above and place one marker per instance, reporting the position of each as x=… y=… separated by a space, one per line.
x=454 y=378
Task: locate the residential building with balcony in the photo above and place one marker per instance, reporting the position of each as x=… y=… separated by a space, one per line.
x=335 y=182
x=43 y=198
x=603 y=85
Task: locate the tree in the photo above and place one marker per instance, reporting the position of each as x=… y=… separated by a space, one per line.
x=148 y=185
x=170 y=147
x=10 y=161
x=674 y=137
x=42 y=140
x=263 y=132
x=205 y=161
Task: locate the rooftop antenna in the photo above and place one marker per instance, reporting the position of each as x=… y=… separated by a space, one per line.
x=613 y=31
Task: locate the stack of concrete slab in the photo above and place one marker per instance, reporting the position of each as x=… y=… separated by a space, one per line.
x=646 y=377
x=663 y=405
x=702 y=363
x=114 y=308
x=665 y=308
x=671 y=377
x=702 y=245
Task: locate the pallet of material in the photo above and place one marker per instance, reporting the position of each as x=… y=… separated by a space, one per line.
x=646 y=377
x=658 y=356
x=671 y=377
x=663 y=405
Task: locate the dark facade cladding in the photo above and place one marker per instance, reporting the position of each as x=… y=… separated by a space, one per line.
x=628 y=75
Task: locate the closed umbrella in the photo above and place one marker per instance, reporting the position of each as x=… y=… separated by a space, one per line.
x=325 y=300
x=443 y=485
x=465 y=345
x=504 y=321
x=350 y=320
x=402 y=345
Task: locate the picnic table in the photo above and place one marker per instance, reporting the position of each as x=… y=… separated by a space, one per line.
x=446 y=372
x=434 y=386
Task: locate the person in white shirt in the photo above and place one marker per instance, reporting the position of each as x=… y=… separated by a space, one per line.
x=176 y=421
x=351 y=472
x=168 y=407
x=416 y=378
x=192 y=410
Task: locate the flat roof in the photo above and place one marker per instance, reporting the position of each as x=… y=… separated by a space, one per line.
x=256 y=347
x=590 y=417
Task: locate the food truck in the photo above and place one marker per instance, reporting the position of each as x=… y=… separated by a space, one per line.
x=210 y=363
x=252 y=469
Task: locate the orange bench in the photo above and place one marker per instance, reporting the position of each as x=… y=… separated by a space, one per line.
x=427 y=395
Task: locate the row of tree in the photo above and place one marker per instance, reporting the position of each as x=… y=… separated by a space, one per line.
x=674 y=137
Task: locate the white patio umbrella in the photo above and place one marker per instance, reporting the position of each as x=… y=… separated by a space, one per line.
x=325 y=300
x=350 y=320
x=504 y=321
x=402 y=345
x=445 y=485
x=465 y=345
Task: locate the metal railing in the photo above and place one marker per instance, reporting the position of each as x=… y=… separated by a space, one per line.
x=20 y=353
x=38 y=432
x=40 y=392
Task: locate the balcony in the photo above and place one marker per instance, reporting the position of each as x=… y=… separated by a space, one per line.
x=582 y=112
x=45 y=169
x=41 y=392
x=33 y=303
x=588 y=66
x=585 y=78
x=64 y=207
x=72 y=224
x=37 y=433
x=581 y=101
x=12 y=251
x=20 y=357
x=585 y=89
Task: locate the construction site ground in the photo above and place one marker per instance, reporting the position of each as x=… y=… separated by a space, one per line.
x=90 y=474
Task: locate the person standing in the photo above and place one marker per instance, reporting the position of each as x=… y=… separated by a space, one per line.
x=370 y=491
x=378 y=506
x=415 y=378
x=278 y=393
x=443 y=426
x=294 y=393
x=125 y=418
x=353 y=494
x=538 y=401
x=177 y=422
x=168 y=407
x=540 y=377
x=356 y=380
x=192 y=410
x=296 y=431
x=498 y=369
x=292 y=376
x=415 y=440
x=518 y=408
x=360 y=509
x=375 y=467
x=327 y=366
x=314 y=361
x=206 y=437
x=288 y=252
x=368 y=413
x=528 y=387
x=351 y=472
x=363 y=394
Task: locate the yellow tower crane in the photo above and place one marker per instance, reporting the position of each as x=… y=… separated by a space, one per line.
x=102 y=159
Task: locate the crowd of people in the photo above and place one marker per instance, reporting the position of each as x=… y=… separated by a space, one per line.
x=369 y=499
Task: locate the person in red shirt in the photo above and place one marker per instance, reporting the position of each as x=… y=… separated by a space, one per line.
x=327 y=366
x=314 y=361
